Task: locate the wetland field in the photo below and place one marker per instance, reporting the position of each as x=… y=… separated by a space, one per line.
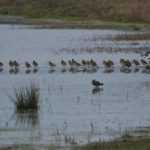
x=71 y=111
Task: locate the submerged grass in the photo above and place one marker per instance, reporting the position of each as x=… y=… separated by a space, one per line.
x=26 y=98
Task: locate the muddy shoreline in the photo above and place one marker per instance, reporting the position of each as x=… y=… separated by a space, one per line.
x=71 y=24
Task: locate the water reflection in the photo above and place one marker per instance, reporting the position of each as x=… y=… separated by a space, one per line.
x=63 y=70
x=88 y=70
x=27 y=71
x=108 y=71
x=16 y=70
x=125 y=70
x=74 y=70
x=35 y=70
x=135 y=70
x=27 y=118
x=146 y=71
x=51 y=70
x=11 y=71
x=96 y=90
x=1 y=69
x=84 y=70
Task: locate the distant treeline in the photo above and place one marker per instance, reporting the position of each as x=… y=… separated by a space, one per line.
x=115 y=10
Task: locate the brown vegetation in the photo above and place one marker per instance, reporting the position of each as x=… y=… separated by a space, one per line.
x=131 y=37
x=26 y=98
x=120 y=10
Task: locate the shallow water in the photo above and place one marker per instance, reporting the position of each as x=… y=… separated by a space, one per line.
x=71 y=111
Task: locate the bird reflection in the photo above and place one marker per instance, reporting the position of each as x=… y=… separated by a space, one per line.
x=125 y=70
x=27 y=71
x=135 y=70
x=1 y=69
x=35 y=70
x=108 y=70
x=63 y=70
x=96 y=90
x=84 y=70
x=16 y=70
x=93 y=70
x=11 y=71
x=146 y=71
x=51 y=70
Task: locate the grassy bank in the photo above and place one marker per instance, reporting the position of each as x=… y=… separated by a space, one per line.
x=128 y=143
x=72 y=24
x=137 y=144
x=107 y=10
x=138 y=139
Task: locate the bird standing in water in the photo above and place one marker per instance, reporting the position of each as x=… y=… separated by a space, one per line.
x=96 y=83
x=27 y=65
x=51 y=64
x=63 y=63
x=1 y=64
x=34 y=63
x=143 y=62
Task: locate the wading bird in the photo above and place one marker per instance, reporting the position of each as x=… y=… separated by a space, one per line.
x=70 y=63
x=27 y=65
x=15 y=63
x=11 y=63
x=51 y=64
x=34 y=63
x=128 y=63
x=143 y=62
x=96 y=83
x=122 y=62
x=135 y=62
x=1 y=64
x=88 y=63
x=108 y=64
x=93 y=63
x=125 y=63
x=147 y=67
x=83 y=62
x=63 y=63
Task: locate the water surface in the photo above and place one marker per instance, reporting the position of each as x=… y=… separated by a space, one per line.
x=70 y=110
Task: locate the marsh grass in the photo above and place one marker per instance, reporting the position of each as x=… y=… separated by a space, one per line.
x=26 y=97
x=116 y=10
x=123 y=37
x=132 y=37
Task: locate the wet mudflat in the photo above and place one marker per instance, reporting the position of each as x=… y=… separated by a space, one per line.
x=71 y=110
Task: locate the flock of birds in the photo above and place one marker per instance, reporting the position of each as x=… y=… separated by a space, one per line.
x=74 y=65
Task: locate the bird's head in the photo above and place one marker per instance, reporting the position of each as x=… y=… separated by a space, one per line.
x=93 y=81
